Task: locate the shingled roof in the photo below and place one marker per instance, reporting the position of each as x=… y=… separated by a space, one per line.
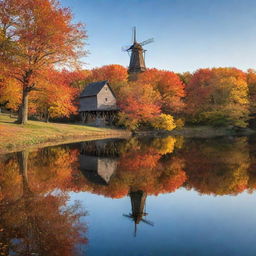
x=93 y=89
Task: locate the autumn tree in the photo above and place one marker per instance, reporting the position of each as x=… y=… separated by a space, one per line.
x=75 y=78
x=218 y=96
x=38 y=43
x=139 y=104
x=185 y=77
x=10 y=93
x=116 y=75
x=169 y=86
x=163 y=122
x=251 y=81
x=55 y=97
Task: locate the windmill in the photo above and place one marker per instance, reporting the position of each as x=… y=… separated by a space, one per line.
x=138 y=200
x=137 y=56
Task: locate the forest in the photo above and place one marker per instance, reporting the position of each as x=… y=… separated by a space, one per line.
x=41 y=77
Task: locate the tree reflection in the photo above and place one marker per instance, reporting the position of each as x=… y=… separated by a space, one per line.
x=219 y=166
x=148 y=166
x=35 y=222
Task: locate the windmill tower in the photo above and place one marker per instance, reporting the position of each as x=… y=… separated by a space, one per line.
x=138 y=201
x=137 y=56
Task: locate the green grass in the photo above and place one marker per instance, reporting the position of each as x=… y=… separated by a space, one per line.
x=14 y=137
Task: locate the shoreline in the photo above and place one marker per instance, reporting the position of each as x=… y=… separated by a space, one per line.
x=61 y=140
x=199 y=132
x=36 y=134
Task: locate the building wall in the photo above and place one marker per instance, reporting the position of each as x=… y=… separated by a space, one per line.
x=88 y=103
x=104 y=94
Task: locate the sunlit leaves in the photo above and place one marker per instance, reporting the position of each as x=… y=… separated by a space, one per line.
x=219 y=97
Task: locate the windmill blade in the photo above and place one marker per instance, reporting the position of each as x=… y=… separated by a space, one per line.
x=148 y=222
x=126 y=48
x=133 y=35
x=128 y=216
x=150 y=40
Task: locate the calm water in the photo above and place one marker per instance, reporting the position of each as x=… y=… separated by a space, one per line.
x=136 y=197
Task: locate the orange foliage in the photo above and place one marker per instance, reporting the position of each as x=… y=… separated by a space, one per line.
x=218 y=96
x=39 y=44
x=139 y=102
x=115 y=74
x=170 y=87
x=55 y=97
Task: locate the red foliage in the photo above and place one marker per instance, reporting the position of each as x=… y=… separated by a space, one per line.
x=170 y=87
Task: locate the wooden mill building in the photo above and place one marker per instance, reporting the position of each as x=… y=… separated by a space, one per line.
x=98 y=104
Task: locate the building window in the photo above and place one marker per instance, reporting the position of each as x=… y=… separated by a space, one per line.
x=106 y=99
x=106 y=88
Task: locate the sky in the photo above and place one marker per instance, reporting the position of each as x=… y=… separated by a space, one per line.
x=188 y=34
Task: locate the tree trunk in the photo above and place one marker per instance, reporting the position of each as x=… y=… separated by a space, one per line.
x=47 y=116
x=23 y=111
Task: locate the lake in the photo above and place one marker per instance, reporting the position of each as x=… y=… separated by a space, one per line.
x=137 y=197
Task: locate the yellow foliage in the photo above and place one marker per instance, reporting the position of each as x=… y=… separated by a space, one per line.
x=179 y=123
x=163 y=122
x=126 y=121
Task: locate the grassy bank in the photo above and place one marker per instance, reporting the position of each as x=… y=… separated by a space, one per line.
x=14 y=137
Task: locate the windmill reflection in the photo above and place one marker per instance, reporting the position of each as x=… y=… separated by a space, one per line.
x=138 y=202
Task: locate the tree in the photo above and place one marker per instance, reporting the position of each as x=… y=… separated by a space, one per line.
x=139 y=103
x=75 y=78
x=115 y=74
x=218 y=97
x=39 y=44
x=10 y=93
x=55 y=97
x=163 y=122
x=251 y=81
x=185 y=77
x=169 y=86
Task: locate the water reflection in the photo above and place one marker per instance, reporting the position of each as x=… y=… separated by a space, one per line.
x=138 y=201
x=37 y=217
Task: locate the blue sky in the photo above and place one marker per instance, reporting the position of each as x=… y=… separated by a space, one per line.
x=189 y=34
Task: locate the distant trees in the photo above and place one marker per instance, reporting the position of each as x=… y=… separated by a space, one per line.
x=115 y=74
x=218 y=97
x=30 y=43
